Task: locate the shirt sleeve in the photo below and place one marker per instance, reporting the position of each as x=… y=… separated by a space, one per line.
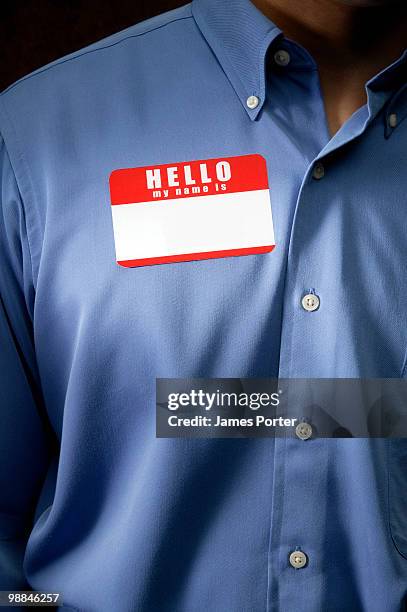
x=24 y=432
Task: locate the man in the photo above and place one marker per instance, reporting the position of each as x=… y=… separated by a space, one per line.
x=93 y=505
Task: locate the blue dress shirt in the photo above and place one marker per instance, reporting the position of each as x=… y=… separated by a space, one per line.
x=92 y=504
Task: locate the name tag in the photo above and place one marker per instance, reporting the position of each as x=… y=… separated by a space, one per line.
x=192 y=210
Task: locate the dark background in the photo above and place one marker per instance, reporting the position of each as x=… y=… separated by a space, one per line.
x=35 y=32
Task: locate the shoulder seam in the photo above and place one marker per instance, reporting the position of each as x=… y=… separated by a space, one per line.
x=26 y=193
x=81 y=54
x=23 y=207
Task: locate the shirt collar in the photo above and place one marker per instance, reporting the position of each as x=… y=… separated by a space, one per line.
x=239 y=35
x=387 y=90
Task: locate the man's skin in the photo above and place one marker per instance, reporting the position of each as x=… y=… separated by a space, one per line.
x=351 y=41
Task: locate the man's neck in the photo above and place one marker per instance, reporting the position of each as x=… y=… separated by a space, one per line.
x=350 y=44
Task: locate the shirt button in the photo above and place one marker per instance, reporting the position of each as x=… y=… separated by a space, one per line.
x=282 y=57
x=298 y=559
x=310 y=302
x=252 y=102
x=392 y=120
x=318 y=171
x=303 y=431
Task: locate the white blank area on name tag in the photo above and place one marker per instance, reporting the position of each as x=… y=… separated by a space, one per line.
x=195 y=224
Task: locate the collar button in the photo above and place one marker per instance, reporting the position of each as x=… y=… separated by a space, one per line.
x=392 y=120
x=282 y=57
x=252 y=102
x=318 y=171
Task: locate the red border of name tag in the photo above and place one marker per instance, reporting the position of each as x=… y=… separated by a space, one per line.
x=166 y=185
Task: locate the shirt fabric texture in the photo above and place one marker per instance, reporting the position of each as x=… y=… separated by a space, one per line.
x=92 y=504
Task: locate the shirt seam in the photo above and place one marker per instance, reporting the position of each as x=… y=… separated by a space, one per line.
x=404 y=366
x=18 y=183
x=398 y=549
x=83 y=53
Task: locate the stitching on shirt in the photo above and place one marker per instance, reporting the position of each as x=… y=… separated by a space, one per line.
x=7 y=152
x=404 y=368
x=389 y=502
x=22 y=161
x=64 y=61
x=261 y=59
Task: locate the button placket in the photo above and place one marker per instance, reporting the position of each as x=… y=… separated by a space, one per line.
x=305 y=467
